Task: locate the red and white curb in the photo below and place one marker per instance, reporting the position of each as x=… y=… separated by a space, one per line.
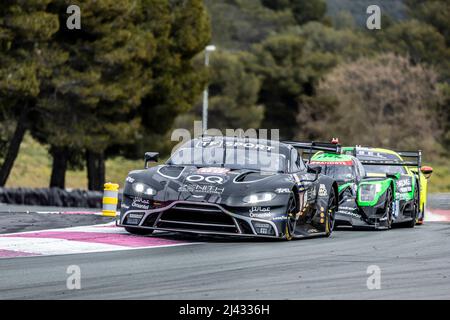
x=89 y=239
x=437 y=215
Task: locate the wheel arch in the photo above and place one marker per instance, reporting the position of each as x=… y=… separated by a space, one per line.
x=336 y=192
x=296 y=192
x=393 y=187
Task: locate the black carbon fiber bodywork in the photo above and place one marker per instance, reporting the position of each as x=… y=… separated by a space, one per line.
x=208 y=200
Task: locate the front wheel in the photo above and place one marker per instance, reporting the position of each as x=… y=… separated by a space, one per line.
x=290 y=221
x=389 y=208
x=139 y=231
x=330 y=216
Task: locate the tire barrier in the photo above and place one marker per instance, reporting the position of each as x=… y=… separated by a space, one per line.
x=54 y=197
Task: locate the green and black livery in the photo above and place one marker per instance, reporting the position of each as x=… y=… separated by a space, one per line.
x=363 y=201
x=412 y=181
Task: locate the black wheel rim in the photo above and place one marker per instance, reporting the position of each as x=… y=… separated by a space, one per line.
x=389 y=209
x=291 y=215
x=331 y=210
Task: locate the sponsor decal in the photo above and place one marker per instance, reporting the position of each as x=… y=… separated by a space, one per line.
x=130 y=179
x=323 y=191
x=209 y=179
x=283 y=190
x=140 y=203
x=303 y=199
x=201 y=189
x=260 y=215
x=278 y=218
x=369 y=153
x=213 y=170
x=135 y=215
x=404 y=196
x=234 y=144
x=396 y=209
x=259 y=212
x=404 y=186
x=404 y=183
x=405 y=189
x=312 y=193
x=332 y=163
x=124 y=206
x=348 y=211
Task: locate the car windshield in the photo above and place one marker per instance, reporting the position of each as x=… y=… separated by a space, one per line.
x=384 y=169
x=230 y=157
x=340 y=172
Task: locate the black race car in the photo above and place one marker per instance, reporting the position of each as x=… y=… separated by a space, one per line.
x=232 y=186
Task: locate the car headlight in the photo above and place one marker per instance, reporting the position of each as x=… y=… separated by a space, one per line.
x=142 y=188
x=369 y=191
x=259 y=197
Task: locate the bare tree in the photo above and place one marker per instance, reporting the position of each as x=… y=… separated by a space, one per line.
x=382 y=101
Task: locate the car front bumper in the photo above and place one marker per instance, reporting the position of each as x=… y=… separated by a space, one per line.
x=200 y=218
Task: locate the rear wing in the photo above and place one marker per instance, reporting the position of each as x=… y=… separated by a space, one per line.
x=312 y=147
x=410 y=158
x=390 y=163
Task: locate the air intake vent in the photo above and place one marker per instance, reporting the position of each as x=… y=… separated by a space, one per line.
x=171 y=171
x=250 y=177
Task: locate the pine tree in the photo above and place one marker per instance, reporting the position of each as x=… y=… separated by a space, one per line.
x=128 y=68
x=25 y=31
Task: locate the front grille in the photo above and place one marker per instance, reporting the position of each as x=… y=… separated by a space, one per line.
x=197 y=217
x=245 y=227
x=151 y=219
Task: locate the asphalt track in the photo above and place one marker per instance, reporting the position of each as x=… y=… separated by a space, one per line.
x=414 y=264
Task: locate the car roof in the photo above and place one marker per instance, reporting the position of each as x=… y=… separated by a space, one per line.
x=331 y=157
x=280 y=147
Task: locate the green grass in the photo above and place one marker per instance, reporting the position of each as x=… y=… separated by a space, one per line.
x=33 y=168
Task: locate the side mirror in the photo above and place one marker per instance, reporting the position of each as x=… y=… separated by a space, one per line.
x=314 y=169
x=427 y=171
x=150 y=157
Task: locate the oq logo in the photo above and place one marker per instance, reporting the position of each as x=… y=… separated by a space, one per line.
x=209 y=179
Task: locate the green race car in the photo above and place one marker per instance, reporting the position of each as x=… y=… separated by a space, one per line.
x=364 y=201
x=413 y=182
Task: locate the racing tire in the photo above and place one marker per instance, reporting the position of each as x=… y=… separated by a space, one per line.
x=330 y=217
x=290 y=221
x=389 y=208
x=139 y=231
x=421 y=218
x=412 y=223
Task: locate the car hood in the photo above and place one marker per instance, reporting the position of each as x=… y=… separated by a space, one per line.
x=204 y=183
